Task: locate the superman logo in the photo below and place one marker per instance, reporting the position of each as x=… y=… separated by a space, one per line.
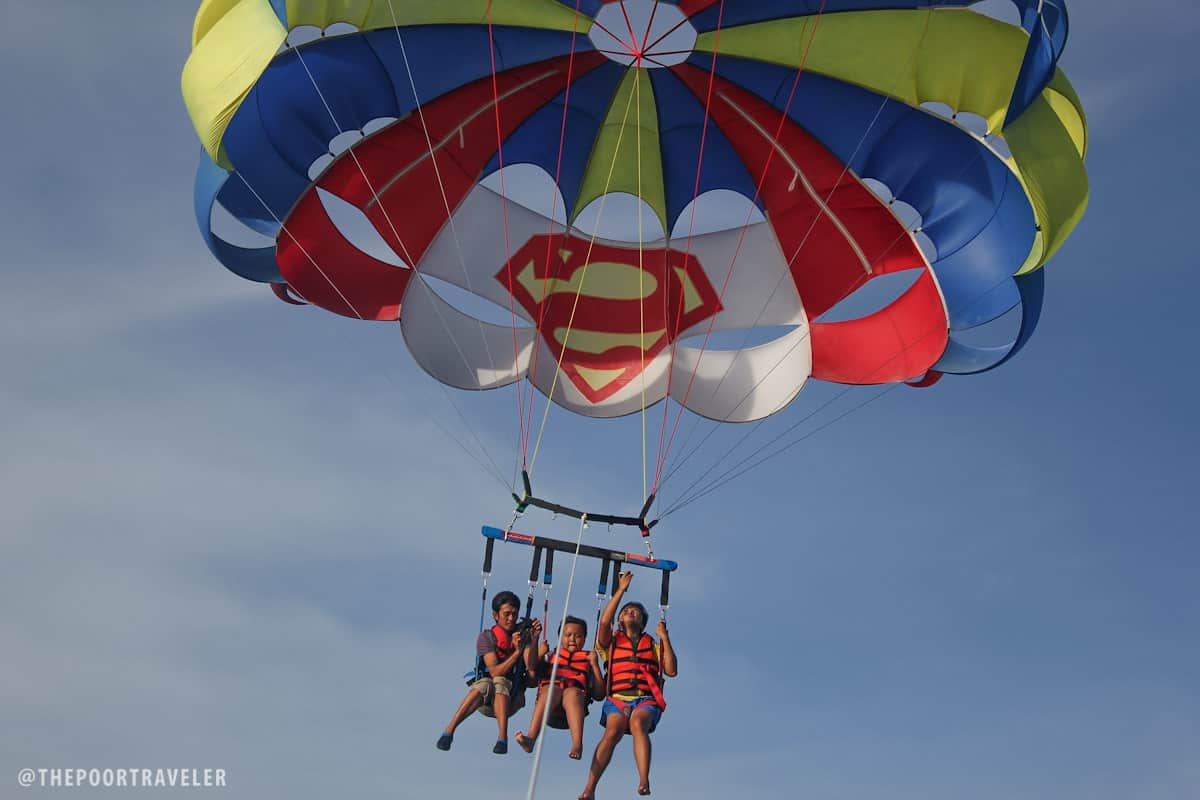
x=631 y=303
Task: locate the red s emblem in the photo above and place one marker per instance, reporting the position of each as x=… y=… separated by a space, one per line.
x=607 y=311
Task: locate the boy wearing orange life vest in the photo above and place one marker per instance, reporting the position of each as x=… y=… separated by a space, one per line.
x=636 y=665
x=577 y=676
x=498 y=690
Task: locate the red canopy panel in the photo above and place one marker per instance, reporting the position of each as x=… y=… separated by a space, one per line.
x=392 y=179
x=898 y=342
x=832 y=229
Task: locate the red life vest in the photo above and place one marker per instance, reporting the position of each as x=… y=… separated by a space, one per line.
x=573 y=669
x=634 y=669
x=504 y=645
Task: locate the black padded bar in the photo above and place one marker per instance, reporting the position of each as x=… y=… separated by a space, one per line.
x=638 y=522
x=537 y=563
x=548 y=577
x=487 y=556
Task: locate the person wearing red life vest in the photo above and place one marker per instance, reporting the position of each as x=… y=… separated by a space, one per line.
x=636 y=666
x=577 y=676
x=498 y=689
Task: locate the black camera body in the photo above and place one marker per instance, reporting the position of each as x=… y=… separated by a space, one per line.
x=525 y=627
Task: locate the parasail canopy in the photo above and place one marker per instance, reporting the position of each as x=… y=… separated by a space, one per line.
x=626 y=180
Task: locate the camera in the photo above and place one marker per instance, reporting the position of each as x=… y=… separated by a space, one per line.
x=525 y=628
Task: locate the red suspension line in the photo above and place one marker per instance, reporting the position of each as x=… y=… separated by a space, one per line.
x=742 y=237
x=562 y=137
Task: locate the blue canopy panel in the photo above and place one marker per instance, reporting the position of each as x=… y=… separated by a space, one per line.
x=965 y=359
x=972 y=206
x=256 y=264
x=236 y=198
x=536 y=140
x=284 y=125
x=589 y=8
x=680 y=124
x=1047 y=25
x=763 y=10
x=280 y=9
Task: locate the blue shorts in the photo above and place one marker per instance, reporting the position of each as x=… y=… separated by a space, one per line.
x=642 y=703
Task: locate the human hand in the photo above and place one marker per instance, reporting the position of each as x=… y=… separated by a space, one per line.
x=661 y=629
x=625 y=580
x=536 y=627
x=516 y=640
x=594 y=658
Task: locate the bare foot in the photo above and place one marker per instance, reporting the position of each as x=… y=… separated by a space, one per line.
x=525 y=742
x=587 y=796
x=644 y=788
x=576 y=752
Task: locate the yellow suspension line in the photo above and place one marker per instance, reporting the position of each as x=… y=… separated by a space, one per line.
x=575 y=305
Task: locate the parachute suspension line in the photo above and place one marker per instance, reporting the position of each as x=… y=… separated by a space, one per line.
x=784 y=273
x=649 y=25
x=522 y=435
x=735 y=473
x=495 y=471
x=642 y=238
x=562 y=138
x=660 y=457
x=407 y=257
x=337 y=124
x=387 y=374
x=641 y=254
x=303 y=249
x=537 y=756
x=449 y=212
x=783 y=118
x=579 y=291
x=970 y=162
x=823 y=210
x=632 y=35
x=674 y=28
x=736 y=470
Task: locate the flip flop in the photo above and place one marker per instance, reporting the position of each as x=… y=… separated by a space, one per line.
x=444 y=741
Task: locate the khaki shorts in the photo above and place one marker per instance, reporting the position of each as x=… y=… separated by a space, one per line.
x=489 y=687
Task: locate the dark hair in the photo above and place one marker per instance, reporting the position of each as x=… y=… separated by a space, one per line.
x=503 y=599
x=639 y=607
x=573 y=621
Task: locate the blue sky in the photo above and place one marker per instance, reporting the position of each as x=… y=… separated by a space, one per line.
x=234 y=535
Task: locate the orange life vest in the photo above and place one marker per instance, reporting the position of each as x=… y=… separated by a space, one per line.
x=634 y=669
x=573 y=669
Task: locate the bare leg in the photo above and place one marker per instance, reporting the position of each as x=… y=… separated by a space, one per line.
x=500 y=705
x=526 y=740
x=466 y=708
x=614 y=728
x=639 y=726
x=574 y=708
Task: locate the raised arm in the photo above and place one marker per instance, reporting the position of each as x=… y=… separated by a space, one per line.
x=604 y=627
